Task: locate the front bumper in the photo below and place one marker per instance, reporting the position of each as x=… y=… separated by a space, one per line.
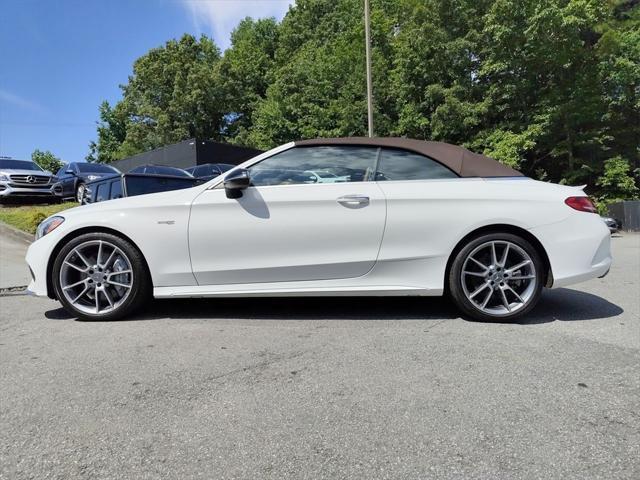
x=37 y=259
x=57 y=190
x=11 y=190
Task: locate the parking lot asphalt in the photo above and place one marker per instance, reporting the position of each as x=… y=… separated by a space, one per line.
x=13 y=247
x=369 y=388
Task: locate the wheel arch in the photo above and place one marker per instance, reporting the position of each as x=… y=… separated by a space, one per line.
x=501 y=228
x=81 y=231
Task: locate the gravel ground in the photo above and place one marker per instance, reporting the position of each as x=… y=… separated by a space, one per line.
x=327 y=388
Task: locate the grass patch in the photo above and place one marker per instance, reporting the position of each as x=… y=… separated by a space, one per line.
x=27 y=218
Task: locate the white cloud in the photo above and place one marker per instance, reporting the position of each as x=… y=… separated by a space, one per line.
x=20 y=102
x=219 y=17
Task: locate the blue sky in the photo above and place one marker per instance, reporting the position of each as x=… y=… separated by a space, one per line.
x=60 y=58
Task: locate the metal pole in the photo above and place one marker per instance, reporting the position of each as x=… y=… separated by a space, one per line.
x=367 y=35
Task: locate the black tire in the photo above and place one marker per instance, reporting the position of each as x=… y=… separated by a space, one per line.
x=80 y=190
x=467 y=307
x=141 y=287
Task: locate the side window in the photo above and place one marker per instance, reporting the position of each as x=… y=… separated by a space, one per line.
x=403 y=165
x=116 y=189
x=60 y=173
x=322 y=164
x=103 y=192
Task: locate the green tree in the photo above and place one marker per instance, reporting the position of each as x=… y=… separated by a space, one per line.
x=173 y=94
x=617 y=182
x=618 y=52
x=46 y=160
x=246 y=72
x=318 y=80
x=112 y=132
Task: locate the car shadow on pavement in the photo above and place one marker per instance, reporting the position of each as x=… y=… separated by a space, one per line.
x=566 y=305
x=293 y=308
x=556 y=305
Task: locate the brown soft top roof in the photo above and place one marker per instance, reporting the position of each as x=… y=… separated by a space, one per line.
x=462 y=161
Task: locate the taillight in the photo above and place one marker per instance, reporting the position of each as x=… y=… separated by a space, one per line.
x=582 y=204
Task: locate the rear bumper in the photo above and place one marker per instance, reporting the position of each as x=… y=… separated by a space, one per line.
x=579 y=248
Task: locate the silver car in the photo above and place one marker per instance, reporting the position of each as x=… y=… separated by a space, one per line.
x=21 y=178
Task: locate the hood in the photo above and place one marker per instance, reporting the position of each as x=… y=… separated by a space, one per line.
x=172 y=198
x=9 y=171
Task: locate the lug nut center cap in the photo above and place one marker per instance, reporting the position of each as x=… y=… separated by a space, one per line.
x=96 y=276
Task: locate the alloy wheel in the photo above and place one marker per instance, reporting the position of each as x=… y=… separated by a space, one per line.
x=80 y=193
x=499 y=278
x=96 y=277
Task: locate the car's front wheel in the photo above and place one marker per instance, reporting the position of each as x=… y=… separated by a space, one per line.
x=496 y=277
x=80 y=191
x=100 y=276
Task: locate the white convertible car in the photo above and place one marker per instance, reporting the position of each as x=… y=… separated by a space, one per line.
x=404 y=217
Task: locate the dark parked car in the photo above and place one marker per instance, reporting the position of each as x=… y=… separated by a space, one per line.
x=132 y=184
x=160 y=170
x=208 y=171
x=613 y=224
x=73 y=178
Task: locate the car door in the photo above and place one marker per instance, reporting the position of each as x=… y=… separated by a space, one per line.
x=421 y=206
x=286 y=228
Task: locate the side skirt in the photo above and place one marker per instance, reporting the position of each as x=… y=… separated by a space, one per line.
x=276 y=291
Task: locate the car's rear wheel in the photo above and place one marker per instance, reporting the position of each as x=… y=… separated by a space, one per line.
x=497 y=277
x=80 y=191
x=100 y=276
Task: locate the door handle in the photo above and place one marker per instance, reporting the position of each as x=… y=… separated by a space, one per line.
x=353 y=201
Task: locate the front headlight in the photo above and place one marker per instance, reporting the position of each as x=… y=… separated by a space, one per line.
x=48 y=226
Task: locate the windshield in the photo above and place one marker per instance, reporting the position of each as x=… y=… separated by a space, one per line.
x=95 y=168
x=19 y=165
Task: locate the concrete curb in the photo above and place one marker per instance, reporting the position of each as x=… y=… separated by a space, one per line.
x=19 y=235
x=13 y=291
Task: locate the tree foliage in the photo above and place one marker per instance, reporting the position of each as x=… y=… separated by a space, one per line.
x=46 y=160
x=172 y=94
x=551 y=87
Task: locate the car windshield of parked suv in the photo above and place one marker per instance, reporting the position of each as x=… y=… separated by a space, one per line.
x=95 y=168
x=207 y=170
x=19 y=165
x=160 y=170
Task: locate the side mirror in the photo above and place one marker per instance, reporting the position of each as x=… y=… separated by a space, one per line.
x=235 y=182
x=69 y=172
